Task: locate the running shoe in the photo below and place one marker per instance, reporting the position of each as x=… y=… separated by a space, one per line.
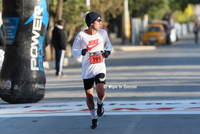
x=94 y=123
x=100 y=109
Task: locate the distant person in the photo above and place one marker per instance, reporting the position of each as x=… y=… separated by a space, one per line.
x=196 y=31
x=59 y=42
x=46 y=42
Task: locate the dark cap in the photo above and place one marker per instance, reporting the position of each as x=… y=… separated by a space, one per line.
x=91 y=17
x=60 y=22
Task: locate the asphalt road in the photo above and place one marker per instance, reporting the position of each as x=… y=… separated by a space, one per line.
x=148 y=92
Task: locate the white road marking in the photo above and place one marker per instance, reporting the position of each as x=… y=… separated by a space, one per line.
x=112 y=108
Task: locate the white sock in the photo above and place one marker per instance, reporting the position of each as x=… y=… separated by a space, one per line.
x=93 y=114
x=99 y=101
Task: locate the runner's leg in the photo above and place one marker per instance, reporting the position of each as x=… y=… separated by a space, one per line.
x=101 y=91
x=88 y=85
x=89 y=98
x=100 y=81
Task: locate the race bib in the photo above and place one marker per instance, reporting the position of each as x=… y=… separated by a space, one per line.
x=96 y=57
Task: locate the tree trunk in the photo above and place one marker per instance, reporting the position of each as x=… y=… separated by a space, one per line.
x=50 y=53
x=59 y=10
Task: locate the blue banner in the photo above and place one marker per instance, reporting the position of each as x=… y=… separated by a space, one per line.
x=10 y=25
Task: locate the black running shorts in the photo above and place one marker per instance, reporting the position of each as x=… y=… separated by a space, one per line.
x=89 y=83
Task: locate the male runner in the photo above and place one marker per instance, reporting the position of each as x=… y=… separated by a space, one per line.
x=90 y=43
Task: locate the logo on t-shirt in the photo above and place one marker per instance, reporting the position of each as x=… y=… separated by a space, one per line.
x=92 y=44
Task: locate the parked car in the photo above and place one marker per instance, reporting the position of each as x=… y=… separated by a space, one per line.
x=154 y=34
x=167 y=30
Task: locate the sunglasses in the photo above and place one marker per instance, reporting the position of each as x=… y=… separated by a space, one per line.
x=99 y=20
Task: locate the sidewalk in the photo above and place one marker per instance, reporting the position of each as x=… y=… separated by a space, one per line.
x=71 y=60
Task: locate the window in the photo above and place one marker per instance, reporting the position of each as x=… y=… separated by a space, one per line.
x=154 y=29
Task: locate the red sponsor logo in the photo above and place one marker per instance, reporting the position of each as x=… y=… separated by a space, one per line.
x=92 y=44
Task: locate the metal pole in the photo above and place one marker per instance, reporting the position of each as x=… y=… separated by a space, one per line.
x=88 y=5
x=126 y=21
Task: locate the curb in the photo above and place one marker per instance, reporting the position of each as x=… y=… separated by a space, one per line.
x=72 y=61
x=134 y=48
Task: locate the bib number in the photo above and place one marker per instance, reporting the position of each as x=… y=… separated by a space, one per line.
x=96 y=57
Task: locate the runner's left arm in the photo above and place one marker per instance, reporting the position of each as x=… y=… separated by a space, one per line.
x=108 y=44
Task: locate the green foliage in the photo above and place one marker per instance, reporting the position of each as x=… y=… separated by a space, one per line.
x=176 y=4
x=53 y=4
x=107 y=8
x=74 y=13
x=74 y=16
x=182 y=10
x=194 y=1
x=181 y=4
x=159 y=9
x=156 y=12
x=150 y=7
x=0 y=5
x=184 y=16
x=74 y=10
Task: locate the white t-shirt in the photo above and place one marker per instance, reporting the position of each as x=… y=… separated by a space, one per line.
x=94 y=43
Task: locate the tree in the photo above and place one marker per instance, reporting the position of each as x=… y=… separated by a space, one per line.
x=184 y=16
x=55 y=14
x=158 y=9
x=0 y=5
x=151 y=7
x=181 y=10
x=74 y=16
x=181 y=4
x=74 y=12
x=59 y=10
x=107 y=8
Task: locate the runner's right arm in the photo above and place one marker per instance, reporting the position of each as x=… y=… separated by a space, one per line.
x=76 y=49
